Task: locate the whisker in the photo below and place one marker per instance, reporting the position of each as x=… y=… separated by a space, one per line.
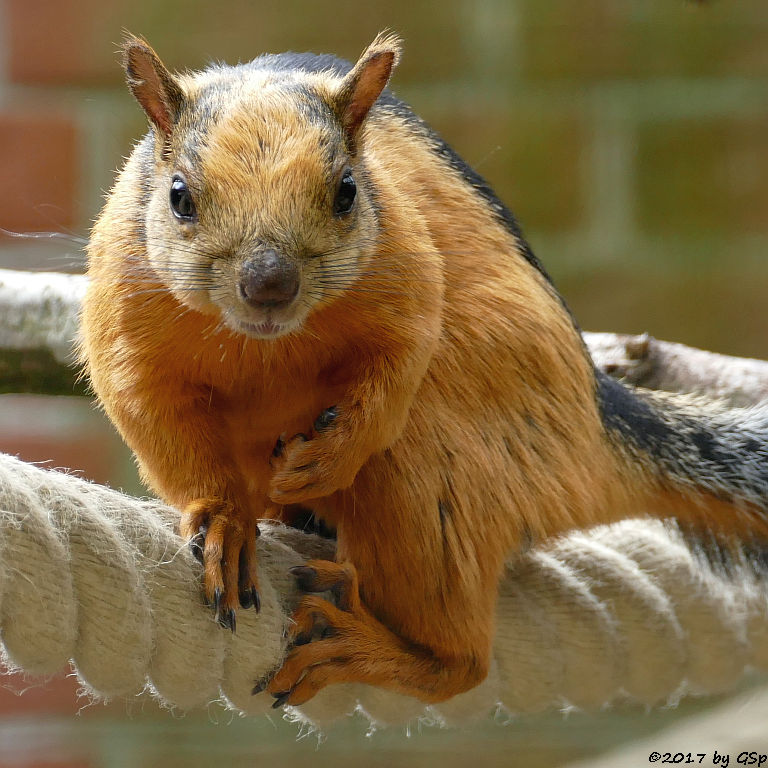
x=338 y=279
x=352 y=290
x=45 y=236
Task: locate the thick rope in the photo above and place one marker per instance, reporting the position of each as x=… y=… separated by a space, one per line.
x=90 y=575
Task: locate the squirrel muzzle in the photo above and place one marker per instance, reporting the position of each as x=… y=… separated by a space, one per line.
x=268 y=280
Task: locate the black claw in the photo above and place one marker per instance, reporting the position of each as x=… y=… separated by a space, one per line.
x=326 y=418
x=228 y=620
x=249 y=597
x=280 y=699
x=216 y=600
x=305 y=577
x=243 y=592
x=277 y=451
x=259 y=687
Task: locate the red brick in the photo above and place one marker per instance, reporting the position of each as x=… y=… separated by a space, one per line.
x=59 y=41
x=718 y=306
x=702 y=176
x=63 y=432
x=532 y=160
x=75 y=41
x=19 y=696
x=602 y=39
x=64 y=761
x=39 y=161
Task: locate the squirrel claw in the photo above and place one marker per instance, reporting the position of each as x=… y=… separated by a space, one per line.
x=315 y=466
x=246 y=599
x=326 y=418
x=228 y=620
x=225 y=539
x=249 y=598
x=324 y=637
x=280 y=699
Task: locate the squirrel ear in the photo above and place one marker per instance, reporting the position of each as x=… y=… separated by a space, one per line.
x=152 y=84
x=365 y=82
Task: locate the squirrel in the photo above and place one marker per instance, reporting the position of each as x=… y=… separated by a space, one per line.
x=300 y=297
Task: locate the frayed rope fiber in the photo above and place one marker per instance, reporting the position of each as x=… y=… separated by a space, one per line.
x=91 y=575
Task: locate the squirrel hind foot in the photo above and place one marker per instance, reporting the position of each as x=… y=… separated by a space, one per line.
x=345 y=643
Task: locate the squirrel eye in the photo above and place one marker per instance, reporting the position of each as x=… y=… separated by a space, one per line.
x=345 y=195
x=182 y=204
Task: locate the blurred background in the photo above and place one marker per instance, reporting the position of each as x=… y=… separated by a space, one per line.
x=630 y=137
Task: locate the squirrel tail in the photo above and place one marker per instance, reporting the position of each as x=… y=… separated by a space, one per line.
x=697 y=450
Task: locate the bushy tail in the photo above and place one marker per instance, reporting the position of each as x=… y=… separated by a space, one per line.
x=694 y=443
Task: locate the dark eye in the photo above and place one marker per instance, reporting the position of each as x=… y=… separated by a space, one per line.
x=182 y=204
x=345 y=195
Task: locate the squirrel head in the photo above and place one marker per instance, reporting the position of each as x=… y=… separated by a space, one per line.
x=258 y=204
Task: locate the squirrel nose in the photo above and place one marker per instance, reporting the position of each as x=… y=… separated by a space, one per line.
x=268 y=280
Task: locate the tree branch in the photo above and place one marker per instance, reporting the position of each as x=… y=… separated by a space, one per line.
x=39 y=319
x=38 y=327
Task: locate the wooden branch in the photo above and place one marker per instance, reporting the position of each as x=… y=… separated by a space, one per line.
x=38 y=327
x=647 y=362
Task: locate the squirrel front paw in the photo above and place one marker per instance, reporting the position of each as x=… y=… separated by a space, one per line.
x=312 y=466
x=225 y=543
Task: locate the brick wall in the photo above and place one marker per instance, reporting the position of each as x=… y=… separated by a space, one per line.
x=630 y=136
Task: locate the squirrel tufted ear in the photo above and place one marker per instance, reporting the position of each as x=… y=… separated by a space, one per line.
x=154 y=87
x=365 y=82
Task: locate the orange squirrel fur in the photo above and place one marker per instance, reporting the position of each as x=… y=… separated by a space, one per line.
x=467 y=420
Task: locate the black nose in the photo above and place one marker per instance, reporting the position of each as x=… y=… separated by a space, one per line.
x=268 y=280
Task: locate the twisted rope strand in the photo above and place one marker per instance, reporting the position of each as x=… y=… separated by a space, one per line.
x=101 y=578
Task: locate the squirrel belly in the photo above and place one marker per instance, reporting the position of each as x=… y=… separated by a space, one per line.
x=300 y=295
